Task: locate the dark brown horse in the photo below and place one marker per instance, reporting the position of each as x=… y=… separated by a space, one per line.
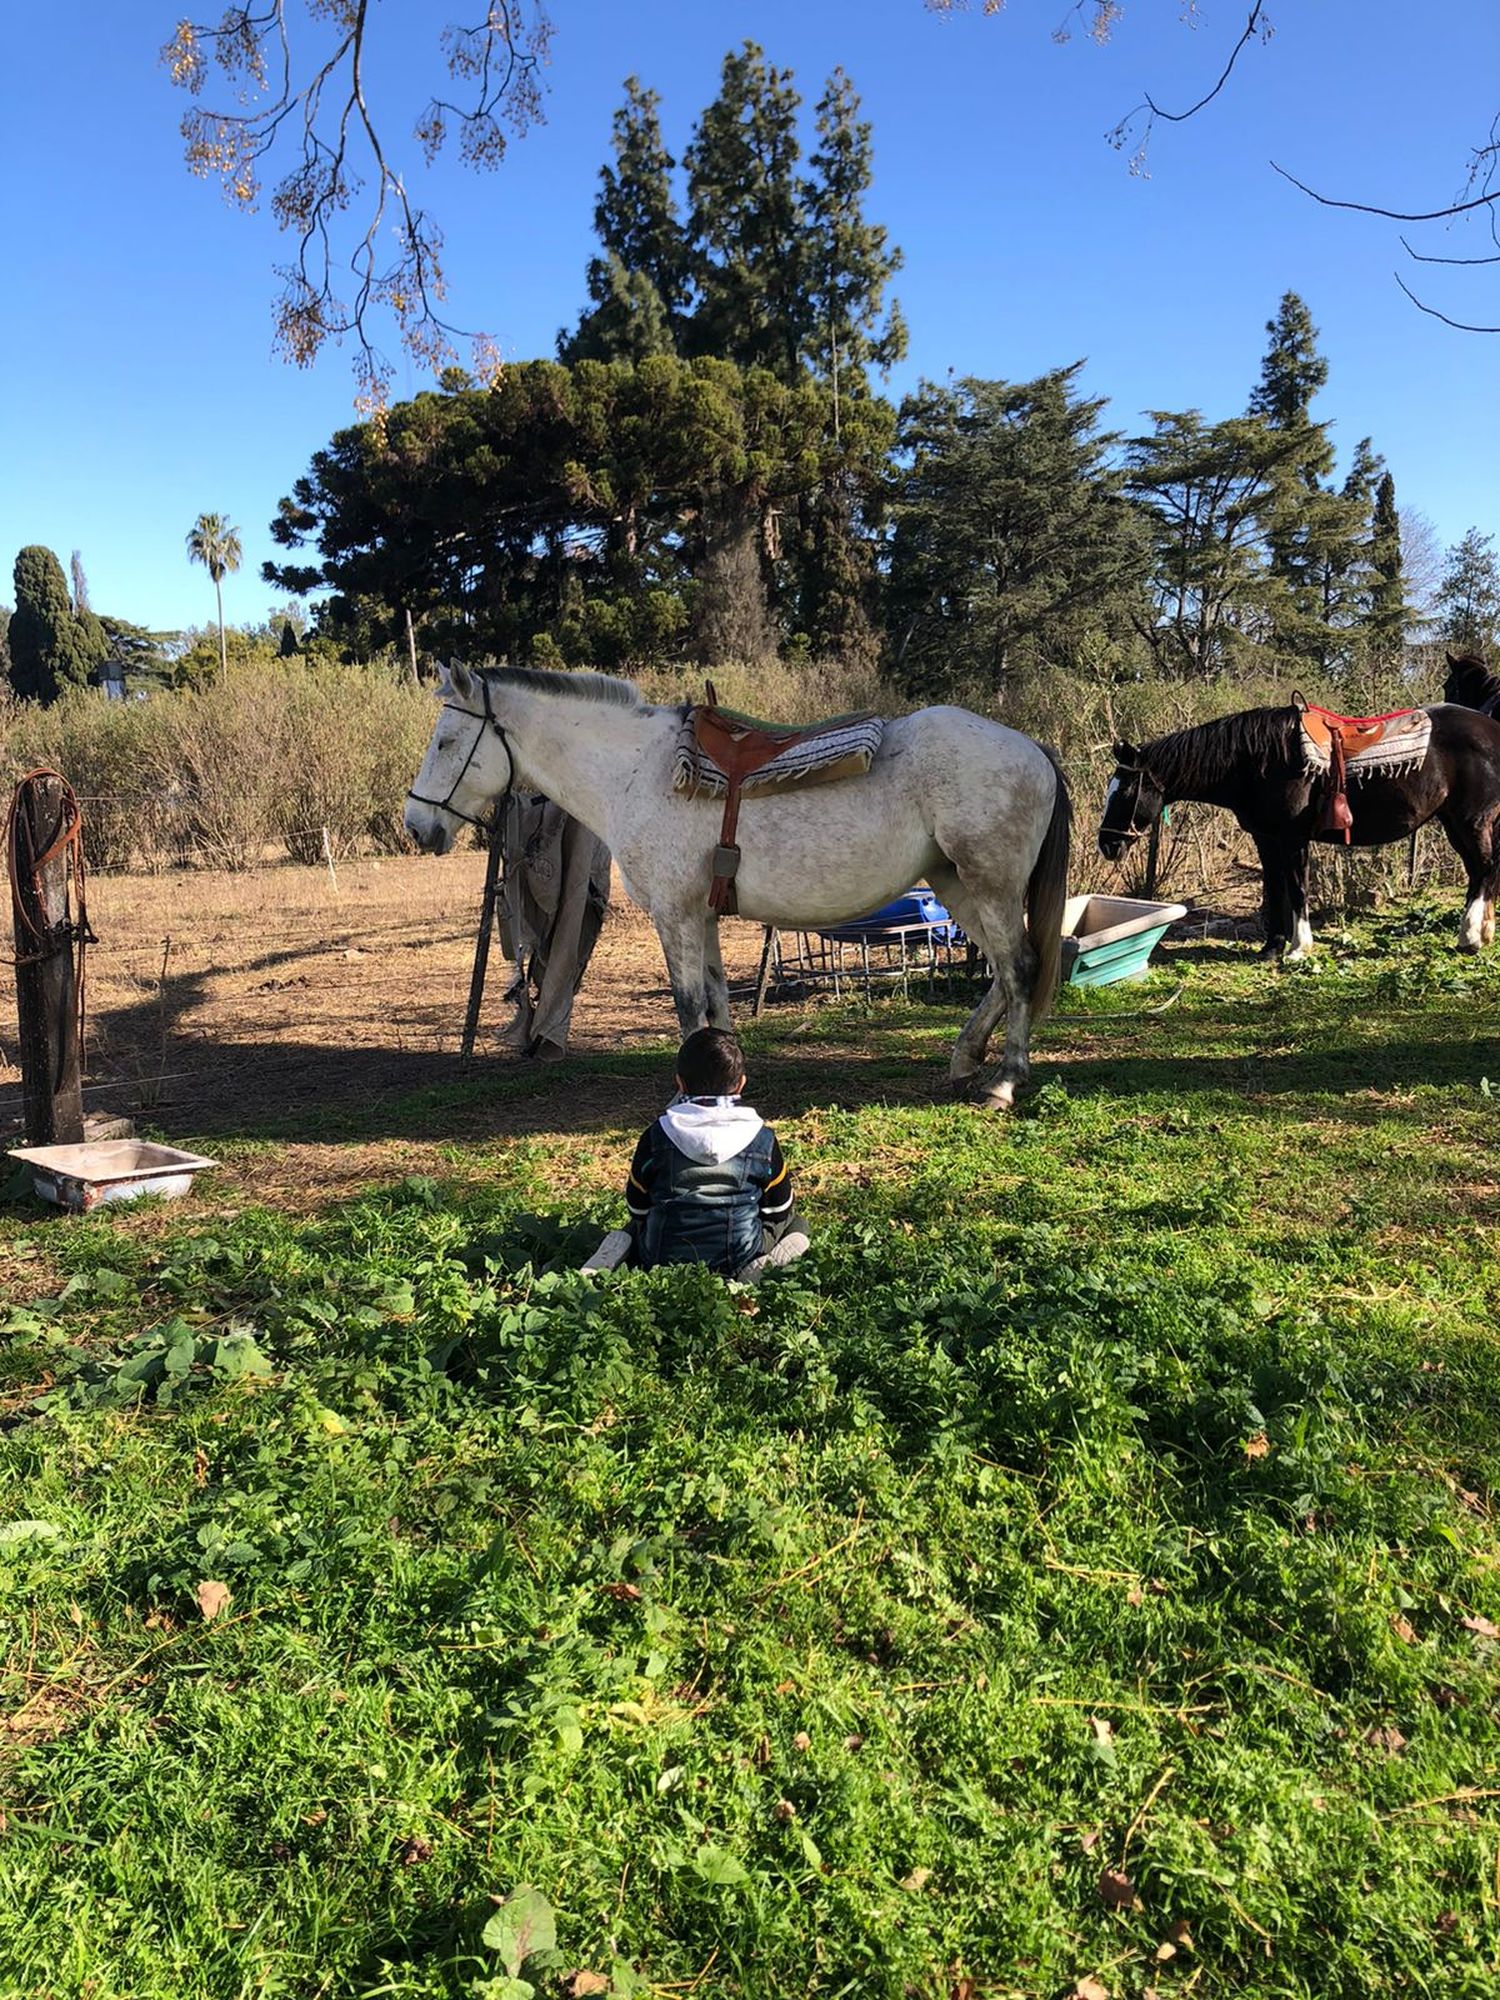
x=1471 y=684
x=1253 y=765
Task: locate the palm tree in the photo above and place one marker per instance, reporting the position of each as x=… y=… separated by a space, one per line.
x=216 y=544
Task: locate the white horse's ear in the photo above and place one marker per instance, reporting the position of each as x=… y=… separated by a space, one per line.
x=461 y=681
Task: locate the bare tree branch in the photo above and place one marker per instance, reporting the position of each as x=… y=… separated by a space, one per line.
x=1257 y=24
x=338 y=154
x=1462 y=326
x=1422 y=257
x=1392 y=214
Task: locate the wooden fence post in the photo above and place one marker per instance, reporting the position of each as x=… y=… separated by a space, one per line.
x=43 y=827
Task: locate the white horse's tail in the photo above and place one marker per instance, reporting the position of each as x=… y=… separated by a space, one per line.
x=1047 y=896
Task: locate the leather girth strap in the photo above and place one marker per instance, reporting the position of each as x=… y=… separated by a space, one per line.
x=739 y=751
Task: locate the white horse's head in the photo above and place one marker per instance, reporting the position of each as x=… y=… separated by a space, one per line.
x=467 y=766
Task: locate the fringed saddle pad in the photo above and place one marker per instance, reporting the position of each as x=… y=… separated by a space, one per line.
x=1387 y=744
x=843 y=747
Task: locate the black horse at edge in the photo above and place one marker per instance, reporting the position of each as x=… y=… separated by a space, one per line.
x=1252 y=764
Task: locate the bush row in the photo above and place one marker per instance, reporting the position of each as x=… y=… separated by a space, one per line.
x=281 y=752
x=271 y=756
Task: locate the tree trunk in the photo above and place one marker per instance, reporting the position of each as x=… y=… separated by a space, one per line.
x=223 y=651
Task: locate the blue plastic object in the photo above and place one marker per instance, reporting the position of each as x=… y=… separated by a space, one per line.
x=917 y=909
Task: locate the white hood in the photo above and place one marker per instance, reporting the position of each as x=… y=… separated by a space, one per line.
x=713 y=1131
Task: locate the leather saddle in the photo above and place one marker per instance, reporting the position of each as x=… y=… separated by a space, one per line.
x=1335 y=741
x=740 y=747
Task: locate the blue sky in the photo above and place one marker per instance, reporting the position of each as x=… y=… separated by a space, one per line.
x=140 y=388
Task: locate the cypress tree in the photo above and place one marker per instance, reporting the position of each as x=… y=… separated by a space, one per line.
x=1386 y=622
x=50 y=648
x=747 y=224
x=639 y=285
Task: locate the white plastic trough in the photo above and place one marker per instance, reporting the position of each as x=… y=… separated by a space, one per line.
x=80 y=1177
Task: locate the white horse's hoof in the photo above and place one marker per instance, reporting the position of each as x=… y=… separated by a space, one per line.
x=1000 y=1096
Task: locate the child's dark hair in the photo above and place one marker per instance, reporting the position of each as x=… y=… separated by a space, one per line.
x=710 y=1063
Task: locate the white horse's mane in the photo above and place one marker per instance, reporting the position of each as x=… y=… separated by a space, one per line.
x=599 y=688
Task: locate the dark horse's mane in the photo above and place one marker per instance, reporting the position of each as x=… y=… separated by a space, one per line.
x=1470 y=682
x=1256 y=741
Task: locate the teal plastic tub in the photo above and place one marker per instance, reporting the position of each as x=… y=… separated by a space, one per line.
x=1112 y=937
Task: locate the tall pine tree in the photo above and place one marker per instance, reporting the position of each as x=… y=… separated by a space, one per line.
x=849 y=262
x=747 y=222
x=1468 y=596
x=639 y=285
x=1312 y=530
x=1014 y=540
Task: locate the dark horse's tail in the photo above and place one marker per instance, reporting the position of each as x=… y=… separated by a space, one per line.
x=1047 y=896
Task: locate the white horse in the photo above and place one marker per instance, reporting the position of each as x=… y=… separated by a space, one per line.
x=976 y=809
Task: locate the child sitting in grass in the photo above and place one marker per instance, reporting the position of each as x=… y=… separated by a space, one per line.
x=708 y=1184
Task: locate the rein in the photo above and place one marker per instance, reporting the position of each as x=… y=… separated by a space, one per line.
x=489 y=718
x=1128 y=833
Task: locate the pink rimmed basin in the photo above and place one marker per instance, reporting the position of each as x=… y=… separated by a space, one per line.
x=80 y=1177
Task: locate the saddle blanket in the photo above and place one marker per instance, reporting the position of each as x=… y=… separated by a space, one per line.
x=842 y=748
x=1384 y=744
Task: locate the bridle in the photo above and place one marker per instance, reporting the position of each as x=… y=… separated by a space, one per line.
x=489 y=719
x=1129 y=833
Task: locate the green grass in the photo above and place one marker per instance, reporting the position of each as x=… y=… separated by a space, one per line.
x=1091 y=1538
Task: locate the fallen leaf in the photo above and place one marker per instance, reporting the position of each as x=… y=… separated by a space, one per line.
x=1447 y=1923
x=853 y=1741
x=415 y=1851
x=1135 y=1595
x=212 y=1598
x=1404 y=1630
x=1485 y=1627
x=917 y=1880
x=1181 y=1935
x=1388 y=1738
x=1117 y=1889
x=200 y=1467
x=785 y=1810
x=622 y=1593
x=1165 y=1951
x=1257 y=1447
x=1101 y=1729
x=802 y=1741
x=762 y=1753
x=786 y=1687
x=1089 y=1841
x=581 y=1983
x=1089 y=1988
x=1156 y=1587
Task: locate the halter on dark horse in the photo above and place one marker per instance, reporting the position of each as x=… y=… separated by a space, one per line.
x=1253 y=764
